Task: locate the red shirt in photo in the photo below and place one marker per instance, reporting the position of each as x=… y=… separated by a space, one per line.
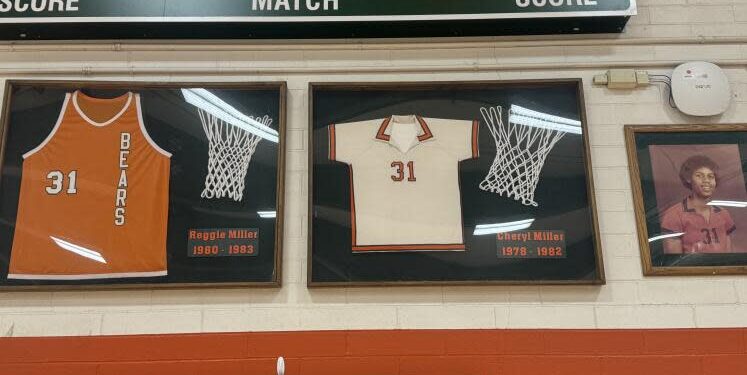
x=700 y=235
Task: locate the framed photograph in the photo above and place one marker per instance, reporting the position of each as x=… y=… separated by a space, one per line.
x=690 y=197
x=127 y=185
x=451 y=183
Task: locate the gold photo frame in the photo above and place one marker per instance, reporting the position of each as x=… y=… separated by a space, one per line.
x=690 y=200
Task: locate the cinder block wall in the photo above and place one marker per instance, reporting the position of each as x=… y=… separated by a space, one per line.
x=664 y=34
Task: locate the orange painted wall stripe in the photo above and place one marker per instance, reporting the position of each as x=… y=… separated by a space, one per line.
x=407 y=352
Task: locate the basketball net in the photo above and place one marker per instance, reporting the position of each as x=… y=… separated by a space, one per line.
x=522 y=145
x=230 y=152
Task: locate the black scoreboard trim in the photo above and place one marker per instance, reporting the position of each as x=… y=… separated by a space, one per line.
x=258 y=19
x=310 y=30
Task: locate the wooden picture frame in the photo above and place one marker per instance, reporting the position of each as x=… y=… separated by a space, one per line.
x=338 y=257
x=202 y=231
x=681 y=174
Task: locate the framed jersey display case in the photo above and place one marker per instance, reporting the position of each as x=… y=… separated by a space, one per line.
x=451 y=183
x=108 y=184
x=690 y=197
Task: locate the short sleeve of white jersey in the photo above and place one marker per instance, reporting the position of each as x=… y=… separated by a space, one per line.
x=350 y=139
x=459 y=137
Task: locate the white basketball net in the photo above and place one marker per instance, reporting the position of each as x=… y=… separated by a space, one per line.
x=522 y=145
x=230 y=152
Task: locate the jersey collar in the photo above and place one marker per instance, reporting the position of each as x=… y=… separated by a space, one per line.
x=384 y=132
x=85 y=117
x=687 y=208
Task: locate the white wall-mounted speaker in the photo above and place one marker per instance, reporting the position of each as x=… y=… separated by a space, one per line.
x=701 y=89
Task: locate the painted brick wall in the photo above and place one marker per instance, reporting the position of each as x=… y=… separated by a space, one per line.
x=665 y=33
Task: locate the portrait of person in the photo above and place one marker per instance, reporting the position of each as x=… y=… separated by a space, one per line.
x=705 y=228
x=700 y=192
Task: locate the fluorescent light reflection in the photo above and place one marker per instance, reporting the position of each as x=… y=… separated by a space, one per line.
x=736 y=204
x=214 y=105
x=527 y=117
x=513 y=226
x=267 y=214
x=665 y=236
x=82 y=251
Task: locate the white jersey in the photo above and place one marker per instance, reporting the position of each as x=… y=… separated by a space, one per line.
x=404 y=180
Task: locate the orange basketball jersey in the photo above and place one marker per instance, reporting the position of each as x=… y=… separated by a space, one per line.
x=94 y=196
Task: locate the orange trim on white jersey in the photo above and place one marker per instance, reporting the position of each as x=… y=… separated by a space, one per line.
x=332 y=146
x=399 y=248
